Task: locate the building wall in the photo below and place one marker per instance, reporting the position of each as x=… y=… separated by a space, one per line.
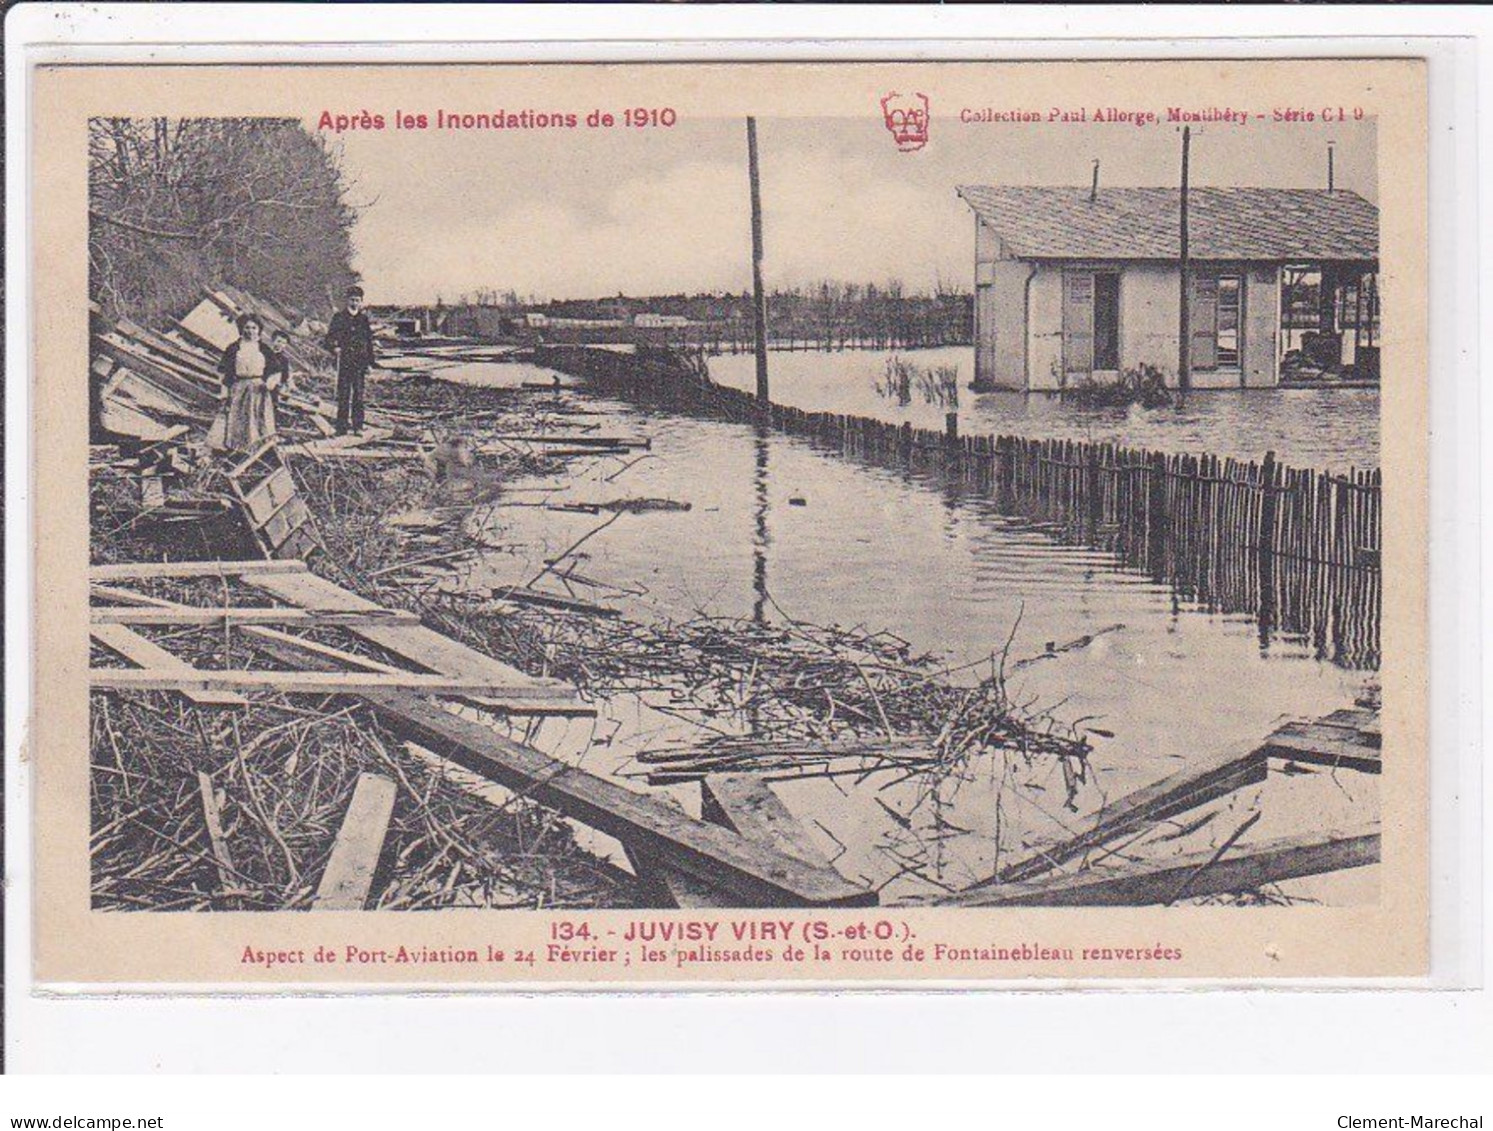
x=1000 y=321
x=1262 y=326
x=1000 y=314
x=1019 y=321
x=1150 y=308
x=1044 y=339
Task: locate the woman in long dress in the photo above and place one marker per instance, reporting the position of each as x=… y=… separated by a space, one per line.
x=246 y=368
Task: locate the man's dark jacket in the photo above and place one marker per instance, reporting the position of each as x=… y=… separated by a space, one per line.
x=351 y=335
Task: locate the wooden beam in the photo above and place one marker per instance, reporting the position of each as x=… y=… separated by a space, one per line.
x=129 y=597
x=670 y=887
x=303 y=682
x=1317 y=745
x=213 y=818
x=1184 y=790
x=297 y=650
x=420 y=646
x=139 y=571
x=749 y=805
x=522 y=595
x=199 y=615
x=580 y=440
x=348 y=879
x=756 y=875
x=1195 y=874
x=312 y=451
x=147 y=654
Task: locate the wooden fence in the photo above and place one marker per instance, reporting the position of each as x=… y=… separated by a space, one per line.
x=1297 y=549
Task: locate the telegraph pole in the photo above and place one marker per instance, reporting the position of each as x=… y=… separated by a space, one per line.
x=759 y=299
x=1184 y=350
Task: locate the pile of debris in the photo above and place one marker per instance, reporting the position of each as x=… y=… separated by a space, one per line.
x=155 y=395
x=789 y=700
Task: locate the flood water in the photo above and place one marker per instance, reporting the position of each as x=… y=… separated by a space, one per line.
x=833 y=541
x=1326 y=429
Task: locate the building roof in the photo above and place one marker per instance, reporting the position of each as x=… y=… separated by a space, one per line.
x=1144 y=223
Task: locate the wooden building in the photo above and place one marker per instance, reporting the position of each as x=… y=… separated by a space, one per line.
x=1074 y=284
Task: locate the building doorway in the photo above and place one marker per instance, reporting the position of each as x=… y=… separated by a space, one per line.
x=1091 y=325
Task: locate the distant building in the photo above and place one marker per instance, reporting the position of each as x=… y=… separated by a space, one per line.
x=1073 y=286
x=648 y=319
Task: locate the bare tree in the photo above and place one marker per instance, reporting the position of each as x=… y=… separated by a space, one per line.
x=178 y=204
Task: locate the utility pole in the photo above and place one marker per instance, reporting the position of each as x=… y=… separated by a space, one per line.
x=1184 y=350
x=759 y=299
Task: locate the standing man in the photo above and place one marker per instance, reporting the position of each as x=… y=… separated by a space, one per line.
x=350 y=338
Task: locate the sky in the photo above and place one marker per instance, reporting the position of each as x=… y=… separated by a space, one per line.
x=581 y=214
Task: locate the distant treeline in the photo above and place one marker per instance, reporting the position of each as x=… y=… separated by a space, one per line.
x=176 y=205
x=827 y=315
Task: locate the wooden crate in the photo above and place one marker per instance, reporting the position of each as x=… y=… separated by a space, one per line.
x=266 y=493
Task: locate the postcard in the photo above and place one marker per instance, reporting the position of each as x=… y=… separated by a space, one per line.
x=730 y=525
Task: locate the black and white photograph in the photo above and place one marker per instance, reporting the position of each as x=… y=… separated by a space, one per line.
x=522 y=498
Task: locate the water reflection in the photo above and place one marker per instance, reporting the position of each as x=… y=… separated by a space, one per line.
x=760 y=536
x=946 y=566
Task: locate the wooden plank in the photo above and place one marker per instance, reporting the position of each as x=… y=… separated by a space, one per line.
x=314 y=451
x=147 y=654
x=140 y=571
x=122 y=420
x=213 y=818
x=348 y=879
x=749 y=805
x=304 y=682
x=416 y=644
x=270 y=494
x=1323 y=746
x=298 y=650
x=521 y=595
x=1355 y=717
x=579 y=440
x=208 y=323
x=144 y=395
x=670 y=887
x=756 y=875
x=267 y=454
x=199 y=361
x=190 y=390
x=190 y=614
x=1195 y=874
x=369 y=435
x=1188 y=788
x=280 y=529
x=1357 y=724
x=127 y=597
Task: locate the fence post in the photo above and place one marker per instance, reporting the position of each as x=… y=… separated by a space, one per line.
x=1096 y=494
x=1156 y=517
x=1269 y=500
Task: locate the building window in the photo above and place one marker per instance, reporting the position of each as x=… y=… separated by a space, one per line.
x=1229 y=309
x=1217 y=321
